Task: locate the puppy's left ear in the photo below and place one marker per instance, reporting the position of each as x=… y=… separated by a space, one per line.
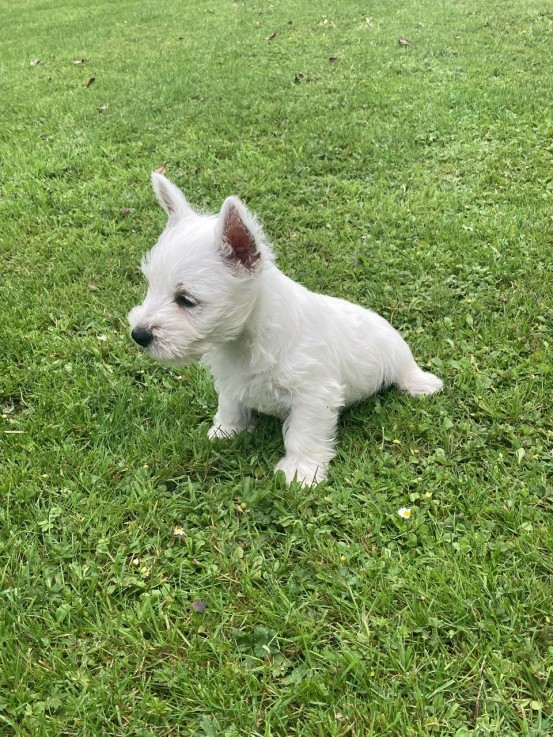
x=238 y=233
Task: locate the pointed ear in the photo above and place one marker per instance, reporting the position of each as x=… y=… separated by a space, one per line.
x=237 y=231
x=170 y=198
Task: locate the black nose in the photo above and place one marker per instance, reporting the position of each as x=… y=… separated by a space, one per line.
x=142 y=336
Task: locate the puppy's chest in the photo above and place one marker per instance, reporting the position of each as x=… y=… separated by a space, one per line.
x=265 y=395
x=260 y=390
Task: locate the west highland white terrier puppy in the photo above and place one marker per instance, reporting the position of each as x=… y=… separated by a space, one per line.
x=215 y=293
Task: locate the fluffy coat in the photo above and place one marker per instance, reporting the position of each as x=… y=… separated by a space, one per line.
x=273 y=346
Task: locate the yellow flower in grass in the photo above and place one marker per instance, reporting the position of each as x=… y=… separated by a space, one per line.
x=404 y=512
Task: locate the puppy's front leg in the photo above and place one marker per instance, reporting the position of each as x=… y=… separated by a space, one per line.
x=231 y=418
x=309 y=438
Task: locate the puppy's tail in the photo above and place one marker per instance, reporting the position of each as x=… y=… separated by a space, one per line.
x=418 y=382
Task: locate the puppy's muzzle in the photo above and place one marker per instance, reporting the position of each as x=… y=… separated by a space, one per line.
x=142 y=336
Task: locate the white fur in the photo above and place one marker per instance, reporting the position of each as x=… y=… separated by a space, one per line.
x=271 y=344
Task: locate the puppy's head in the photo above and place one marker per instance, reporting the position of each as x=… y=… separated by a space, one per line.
x=203 y=278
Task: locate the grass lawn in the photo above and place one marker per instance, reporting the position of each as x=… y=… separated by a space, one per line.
x=415 y=179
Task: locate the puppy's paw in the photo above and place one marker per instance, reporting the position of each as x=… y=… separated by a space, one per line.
x=221 y=431
x=228 y=431
x=307 y=473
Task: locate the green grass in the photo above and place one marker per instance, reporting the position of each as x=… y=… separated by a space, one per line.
x=415 y=180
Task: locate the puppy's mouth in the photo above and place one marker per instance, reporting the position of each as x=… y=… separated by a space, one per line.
x=175 y=361
x=171 y=355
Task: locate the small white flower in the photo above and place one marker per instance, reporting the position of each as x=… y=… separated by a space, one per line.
x=404 y=512
x=179 y=532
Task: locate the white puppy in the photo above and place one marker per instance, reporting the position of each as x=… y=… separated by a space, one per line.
x=214 y=292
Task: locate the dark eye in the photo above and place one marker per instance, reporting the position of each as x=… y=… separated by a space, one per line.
x=183 y=301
